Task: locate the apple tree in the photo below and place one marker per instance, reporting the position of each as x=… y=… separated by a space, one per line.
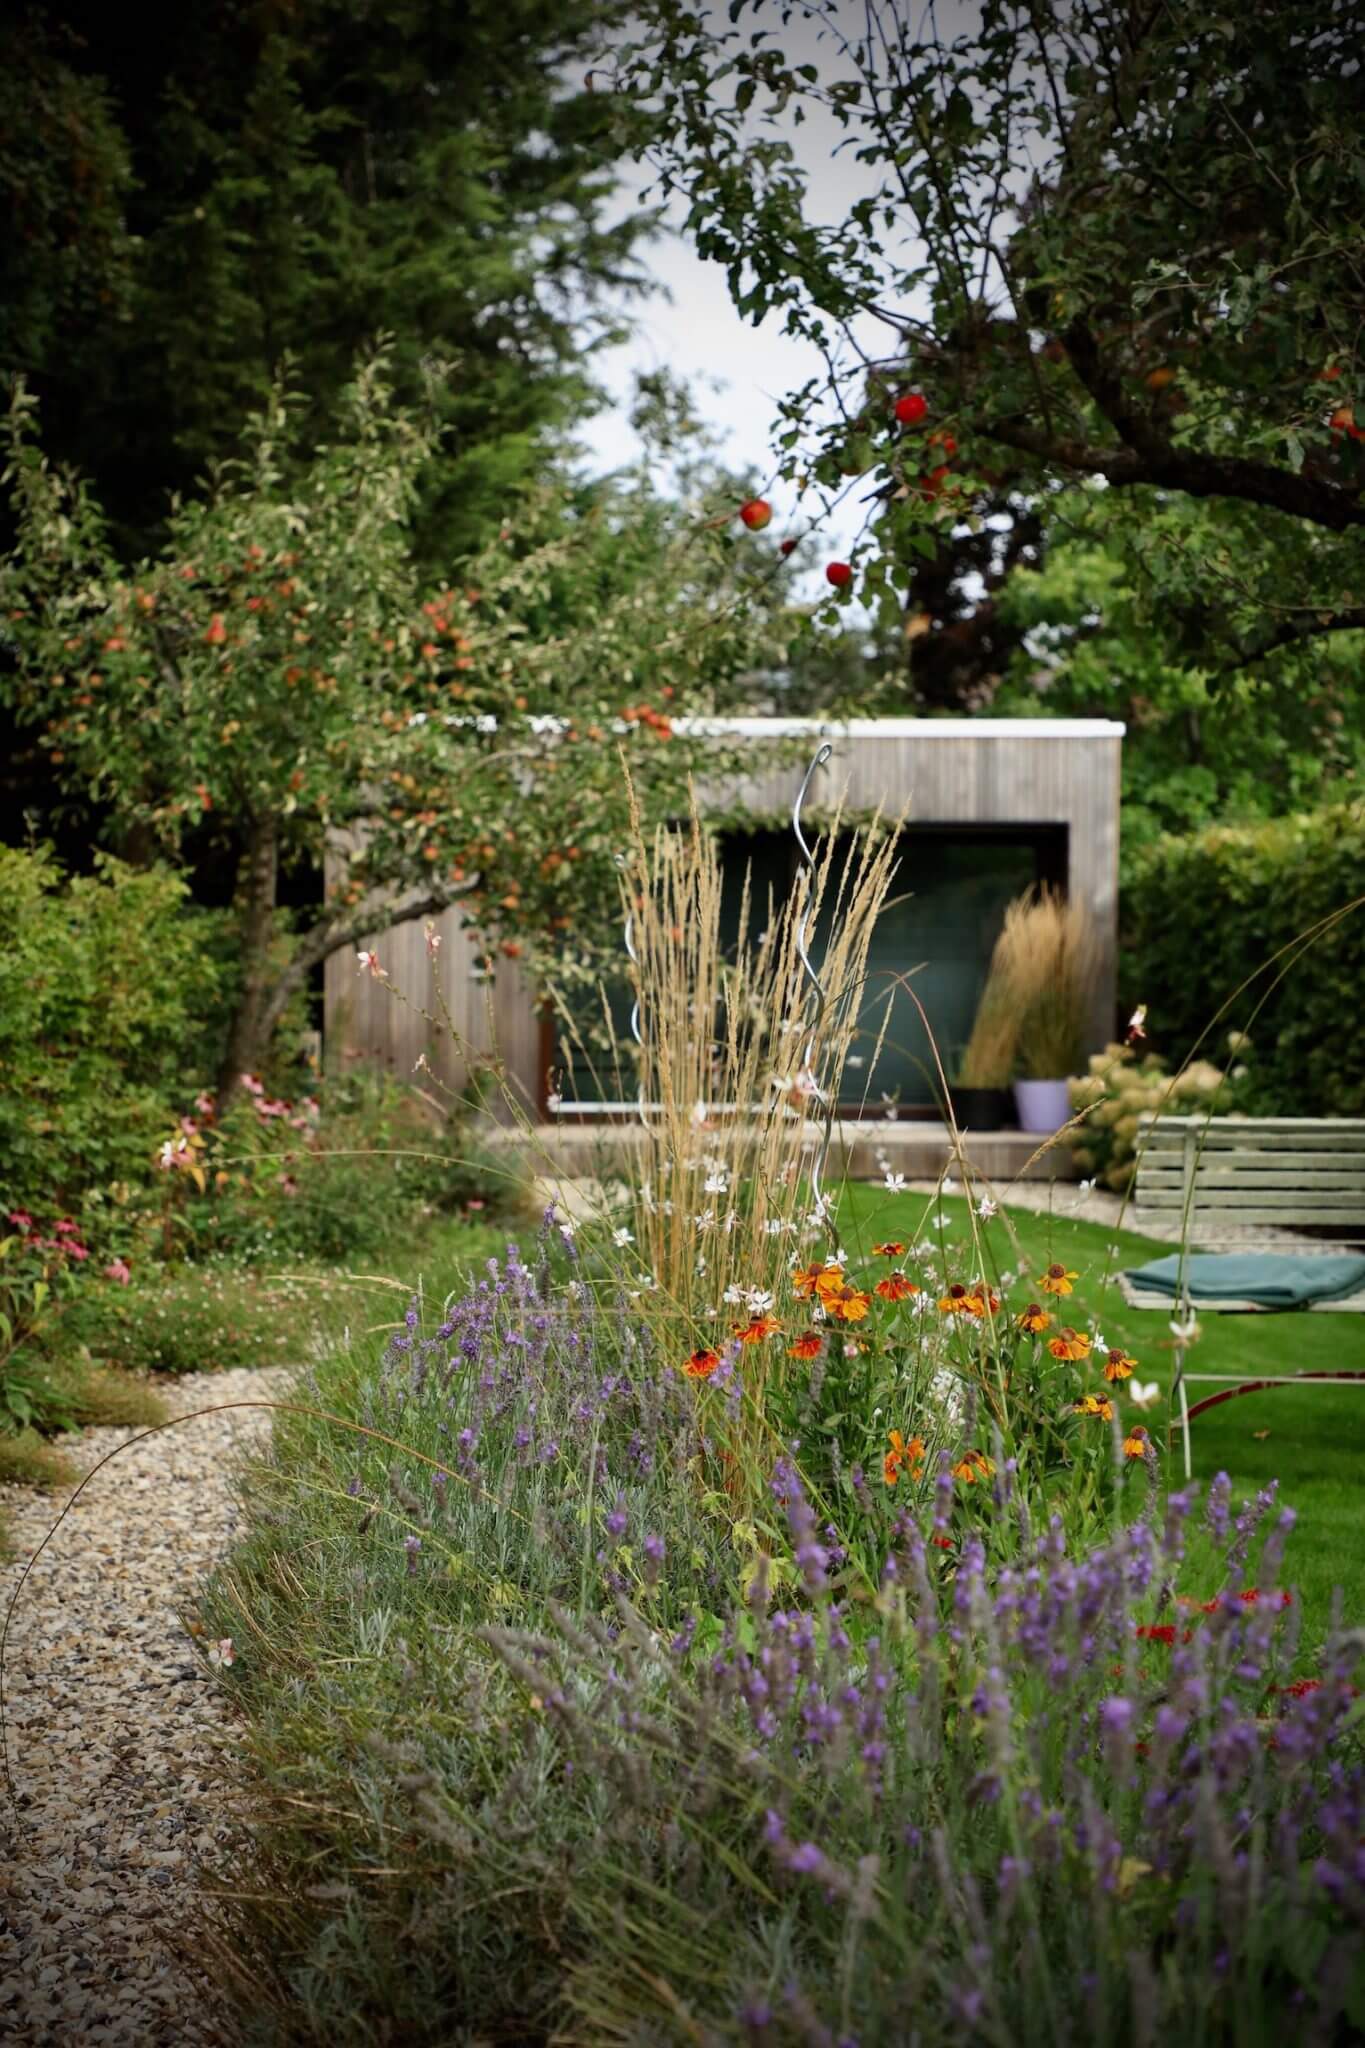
x=278 y=673
x=1114 y=245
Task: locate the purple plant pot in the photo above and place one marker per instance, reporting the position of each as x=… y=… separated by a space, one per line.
x=1042 y=1105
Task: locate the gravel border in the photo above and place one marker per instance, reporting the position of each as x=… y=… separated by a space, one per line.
x=113 y=1726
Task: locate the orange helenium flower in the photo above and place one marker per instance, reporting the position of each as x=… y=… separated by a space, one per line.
x=817 y=1280
x=975 y=1304
x=1034 y=1318
x=1096 y=1404
x=807 y=1345
x=1135 y=1443
x=1057 y=1280
x=1069 y=1343
x=895 y=1287
x=892 y=1249
x=957 y=1301
x=754 y=1332
x=702 y=1364
x=847 y=1304
x=976 y=1465
x=909 y=1455
x=1119 y=1366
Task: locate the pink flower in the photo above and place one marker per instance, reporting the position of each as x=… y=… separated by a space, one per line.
x=75 y=1251
x=66 y=1228
x=204 y=1103
x=118 y=1269
x=21 y=1217
x=188 y=1126
x=252 y=1085
x=289 y=1184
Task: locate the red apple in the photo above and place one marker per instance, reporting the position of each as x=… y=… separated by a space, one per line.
x=217 y=632
x=786 y=547
x=911 y=408
x=945 y=444
x=756 y=514
x=839 y=574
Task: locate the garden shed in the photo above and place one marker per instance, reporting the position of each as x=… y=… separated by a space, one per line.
x=994 y=805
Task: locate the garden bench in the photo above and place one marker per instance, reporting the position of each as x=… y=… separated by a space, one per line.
x=1250 y=1182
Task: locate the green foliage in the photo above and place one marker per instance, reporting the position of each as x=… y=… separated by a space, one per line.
x=1287 y=734
x=108 y=993
x=1119 y=1088
x=196 y=195
x=275 y=673
x=1272 y=908
x=1080 y=236
x=343 y=1176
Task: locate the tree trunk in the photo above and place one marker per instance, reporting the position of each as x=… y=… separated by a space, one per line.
x=247 y=1037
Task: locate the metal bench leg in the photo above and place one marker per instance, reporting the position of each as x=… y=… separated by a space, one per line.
x=1185 y=1422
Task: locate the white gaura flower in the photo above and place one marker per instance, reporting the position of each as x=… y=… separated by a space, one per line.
x=622 y=1237
x=699 y=1113
x=894 y=1183
x=715 y=1184
x=774 y=1226
x=1185 y=1331
x=758 y=1299
x=369 y=960
x=1144 y=1396
x=986 y=1208
x=735 y=1292
x=706 y=1220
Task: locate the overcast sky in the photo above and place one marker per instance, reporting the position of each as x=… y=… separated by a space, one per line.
x=738 y=372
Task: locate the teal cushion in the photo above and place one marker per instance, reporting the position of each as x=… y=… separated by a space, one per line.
x=1271 y=1279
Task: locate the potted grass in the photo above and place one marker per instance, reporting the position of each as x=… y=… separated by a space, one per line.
x=1050 y=962
x=981 y=1088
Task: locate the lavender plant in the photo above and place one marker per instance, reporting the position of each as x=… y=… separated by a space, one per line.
x=547 y=1741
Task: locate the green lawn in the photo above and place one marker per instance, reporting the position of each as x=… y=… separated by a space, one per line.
x=1312 y=1441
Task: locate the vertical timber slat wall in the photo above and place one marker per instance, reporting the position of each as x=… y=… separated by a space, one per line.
x=954 y=772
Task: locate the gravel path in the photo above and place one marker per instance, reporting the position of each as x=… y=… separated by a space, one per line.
x=112 y=1728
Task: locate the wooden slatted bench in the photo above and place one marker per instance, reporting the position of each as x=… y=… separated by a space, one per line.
x=1249 y=1182
x=1218 y=1182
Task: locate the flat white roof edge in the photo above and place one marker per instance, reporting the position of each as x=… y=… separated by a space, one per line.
x=917 y=728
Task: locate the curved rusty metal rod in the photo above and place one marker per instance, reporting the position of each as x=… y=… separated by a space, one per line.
x=817 y=987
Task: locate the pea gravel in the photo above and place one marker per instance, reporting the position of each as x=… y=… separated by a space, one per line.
x=113 y=1723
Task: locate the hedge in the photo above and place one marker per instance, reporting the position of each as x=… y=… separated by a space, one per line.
x=1202 y=913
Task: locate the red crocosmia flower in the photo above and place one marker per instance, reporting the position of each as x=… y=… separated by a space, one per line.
x=892 y=1249
x=1299 y=1688
x=895 y=1287
x=942 y=1542
x=702 y=1364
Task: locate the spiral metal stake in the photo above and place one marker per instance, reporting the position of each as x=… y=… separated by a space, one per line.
x=817 y=986
x=634 y=958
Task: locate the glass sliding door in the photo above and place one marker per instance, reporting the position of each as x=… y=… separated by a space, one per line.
x=934 y=937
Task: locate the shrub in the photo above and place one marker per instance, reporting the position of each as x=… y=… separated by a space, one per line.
x=341 y=1174
x=1203 y=913
x=108 y=993
x=1119 y=1089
